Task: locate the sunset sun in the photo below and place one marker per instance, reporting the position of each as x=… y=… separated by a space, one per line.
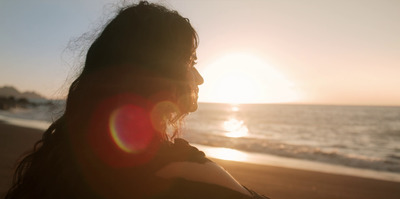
x=244 y=78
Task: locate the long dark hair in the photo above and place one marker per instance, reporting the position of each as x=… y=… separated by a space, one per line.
x=142 y=55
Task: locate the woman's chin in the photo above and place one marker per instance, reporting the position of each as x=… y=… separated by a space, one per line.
x=188 y=103
x=193 y=107
x=193 y=104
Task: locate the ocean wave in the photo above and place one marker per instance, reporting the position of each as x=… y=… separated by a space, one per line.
x=296 y=151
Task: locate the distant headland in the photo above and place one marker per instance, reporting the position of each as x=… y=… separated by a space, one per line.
x=10 y=98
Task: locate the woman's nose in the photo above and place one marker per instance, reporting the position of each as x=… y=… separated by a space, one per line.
x=197 y=77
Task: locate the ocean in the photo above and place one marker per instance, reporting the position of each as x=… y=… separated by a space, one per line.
x=350 y=140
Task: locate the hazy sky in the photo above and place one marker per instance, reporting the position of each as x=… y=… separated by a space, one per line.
x=301 y=51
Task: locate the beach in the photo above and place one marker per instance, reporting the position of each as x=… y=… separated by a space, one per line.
x=274 y=182
x=284 y=183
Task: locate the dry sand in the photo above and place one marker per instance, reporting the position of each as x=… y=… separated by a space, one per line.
x=274 y=182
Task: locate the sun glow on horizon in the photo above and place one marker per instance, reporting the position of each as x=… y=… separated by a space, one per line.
x=243 y=78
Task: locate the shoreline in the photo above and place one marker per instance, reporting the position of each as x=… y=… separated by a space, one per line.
x=293 y=163
x=26 y=123
x=272 y=181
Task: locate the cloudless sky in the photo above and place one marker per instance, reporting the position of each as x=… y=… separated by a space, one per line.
x=310 y=51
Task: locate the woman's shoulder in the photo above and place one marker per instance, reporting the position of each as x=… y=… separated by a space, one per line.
x=181 y=151
x=183 y=171
x=189 y=169
x=208 y=173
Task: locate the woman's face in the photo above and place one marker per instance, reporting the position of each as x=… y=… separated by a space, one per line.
x=195 y=79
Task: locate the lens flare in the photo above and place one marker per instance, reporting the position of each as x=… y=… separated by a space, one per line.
x=121 y=133
x=129 y=128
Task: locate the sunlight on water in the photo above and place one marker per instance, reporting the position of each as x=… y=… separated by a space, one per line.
x=226 y=154
x=235 y=108
x=271 y=160
x=235 y=128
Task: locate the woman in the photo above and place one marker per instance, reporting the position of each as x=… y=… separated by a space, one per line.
x=115 y=139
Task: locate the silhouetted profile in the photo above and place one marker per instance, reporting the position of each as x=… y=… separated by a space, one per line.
x=118 y=135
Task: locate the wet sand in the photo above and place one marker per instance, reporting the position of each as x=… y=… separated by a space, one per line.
x=284 y=183
x=14 y=142
x=274 y=182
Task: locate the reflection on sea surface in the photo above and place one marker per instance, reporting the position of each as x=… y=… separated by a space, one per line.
x=225 y=154
x=357 y=136
x=235 y=108
x=235 y=128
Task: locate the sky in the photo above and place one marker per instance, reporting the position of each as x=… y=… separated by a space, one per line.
x=254 y=51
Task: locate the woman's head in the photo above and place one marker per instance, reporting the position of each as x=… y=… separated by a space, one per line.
x=148 y=36
x=147 y=51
